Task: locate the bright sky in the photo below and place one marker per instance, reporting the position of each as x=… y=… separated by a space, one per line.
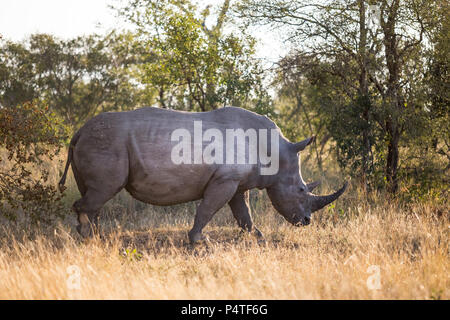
x=63 y=18
x=71 y=18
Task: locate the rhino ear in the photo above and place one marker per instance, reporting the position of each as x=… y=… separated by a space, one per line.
x=299 y=146
x=311 y=186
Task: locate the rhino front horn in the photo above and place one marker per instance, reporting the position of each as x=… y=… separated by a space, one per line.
x=318 y=202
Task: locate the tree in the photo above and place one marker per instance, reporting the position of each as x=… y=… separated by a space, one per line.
x=437 y=79
x=371 y=48
x=192 y=65
x=302 y=104
x=428 y=158
x=76 y=78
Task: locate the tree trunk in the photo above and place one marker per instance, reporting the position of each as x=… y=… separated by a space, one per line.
x=392 y=161
x=393 y=95
x=363 y=99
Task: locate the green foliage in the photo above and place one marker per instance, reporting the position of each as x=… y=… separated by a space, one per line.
x=76 y=78
x=132 y=255
x=347 y=128
x=367 y=84
x=193 y=66
x=29 y=136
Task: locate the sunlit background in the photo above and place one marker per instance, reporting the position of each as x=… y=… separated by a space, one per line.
x=68 y=18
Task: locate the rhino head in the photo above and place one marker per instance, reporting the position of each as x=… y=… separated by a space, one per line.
x=290 y=195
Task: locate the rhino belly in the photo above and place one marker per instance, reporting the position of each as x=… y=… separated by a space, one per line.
x=168 y=185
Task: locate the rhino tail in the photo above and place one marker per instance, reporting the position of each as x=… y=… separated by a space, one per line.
x=72 y=144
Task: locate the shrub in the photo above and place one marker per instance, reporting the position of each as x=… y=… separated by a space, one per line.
x=29 y=135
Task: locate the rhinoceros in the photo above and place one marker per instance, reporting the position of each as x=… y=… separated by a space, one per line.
x=135 y=150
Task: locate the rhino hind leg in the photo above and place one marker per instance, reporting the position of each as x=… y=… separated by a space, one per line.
x=88 y=209
x=239 y=205
x=98 y=179
x=216 y=195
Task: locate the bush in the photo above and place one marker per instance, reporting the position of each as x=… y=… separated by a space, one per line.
x=29 y=135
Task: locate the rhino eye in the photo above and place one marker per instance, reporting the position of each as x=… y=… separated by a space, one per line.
x=302 y=189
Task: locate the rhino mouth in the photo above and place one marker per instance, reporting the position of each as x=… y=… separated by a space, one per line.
x=301 y=221
x=306 y=221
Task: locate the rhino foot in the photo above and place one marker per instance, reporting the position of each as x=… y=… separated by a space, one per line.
x=85 y=226
x=261 y=242
x=258 y=234
x=195 y=238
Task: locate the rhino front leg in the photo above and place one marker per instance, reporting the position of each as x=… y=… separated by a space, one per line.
x=239 y=205
x=216 y=195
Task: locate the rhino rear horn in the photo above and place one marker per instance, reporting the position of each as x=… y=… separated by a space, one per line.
x=311 y=186
x=299 y=146
x=318 y=202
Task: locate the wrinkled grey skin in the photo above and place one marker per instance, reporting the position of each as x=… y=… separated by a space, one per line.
x=132 y=150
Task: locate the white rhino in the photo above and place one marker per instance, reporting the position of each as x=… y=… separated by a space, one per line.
x=134 y=150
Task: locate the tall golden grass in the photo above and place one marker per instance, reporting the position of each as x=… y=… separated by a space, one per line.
x=142 y=253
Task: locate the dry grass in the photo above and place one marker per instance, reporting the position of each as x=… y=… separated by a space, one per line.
x=143 y=253
x=148 y=257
